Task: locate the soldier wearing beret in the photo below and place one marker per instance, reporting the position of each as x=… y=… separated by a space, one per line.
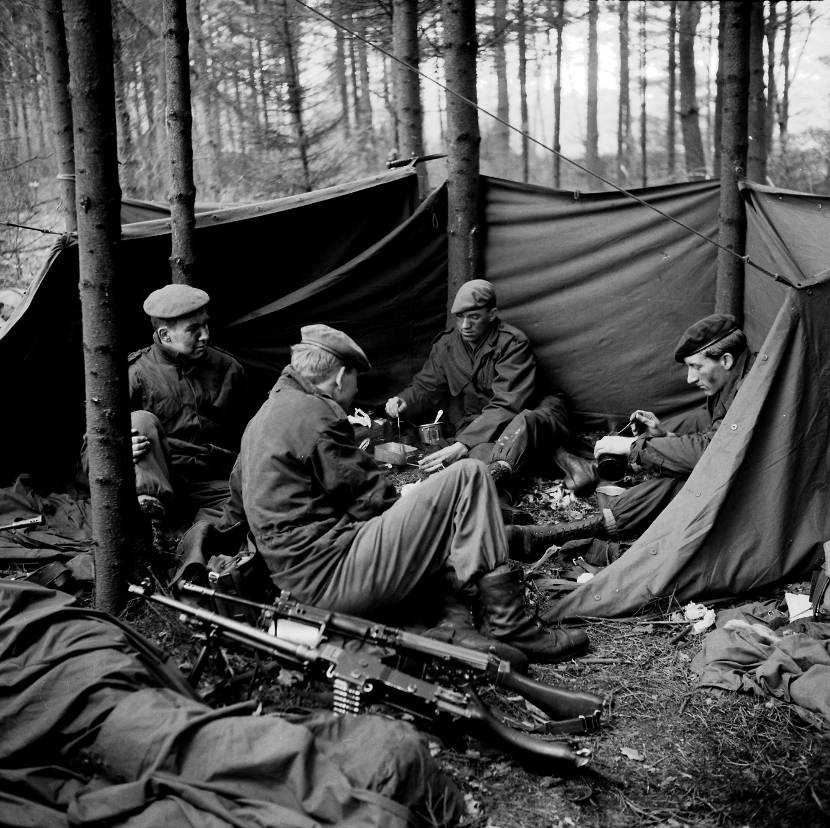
x=483 y=373
x=333 y=532
x=188 y=408
x=715 y=353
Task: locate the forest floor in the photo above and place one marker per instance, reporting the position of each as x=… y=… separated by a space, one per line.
x=668 y=754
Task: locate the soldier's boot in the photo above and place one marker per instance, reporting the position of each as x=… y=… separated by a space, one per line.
x=506 y=618
x=580 y=474
x=529 y=543
x=456 y=627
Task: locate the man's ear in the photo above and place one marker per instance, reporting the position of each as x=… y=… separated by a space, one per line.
x=338 y=379
x=163 y=334
x=727 y=361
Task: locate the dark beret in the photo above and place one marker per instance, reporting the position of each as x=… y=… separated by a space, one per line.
x=477 y=293
x=705 y=332
x=173 y=301
x=337 y=343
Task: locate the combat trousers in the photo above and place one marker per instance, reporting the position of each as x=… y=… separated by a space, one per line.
x=530 y=437
x=449 y=524
x=632 y=512
x=154 y=476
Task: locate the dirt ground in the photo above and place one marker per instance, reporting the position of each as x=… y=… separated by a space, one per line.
x=667 y=755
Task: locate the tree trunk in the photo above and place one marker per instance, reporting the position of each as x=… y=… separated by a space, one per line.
x=784 y=108
x=735 y=22
x=179 y=135
x=521 y=36
x=772 y=92
x=501 y=133
x=756 y=165
x=341 y=73
x=559 y=25
x=716 y=157
x=624 y=109
x=407 y=85
x=295 y=93
x=671 y=138
x=592 y=129
x=57 y=73
x=126 y=154
x=643 y=96
x=689 y=113
x=111 y=479
x=366 y=118
x=463 y=232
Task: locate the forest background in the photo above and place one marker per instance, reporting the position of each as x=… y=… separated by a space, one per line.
x=285 y=100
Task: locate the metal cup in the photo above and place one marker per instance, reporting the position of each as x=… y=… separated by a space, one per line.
x=612 y=467
x=431 y=433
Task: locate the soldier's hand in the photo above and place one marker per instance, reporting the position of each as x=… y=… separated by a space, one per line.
x=442 y=458
x=140 y=445
x=395 y=406
x=613 y=445
x=645 y=422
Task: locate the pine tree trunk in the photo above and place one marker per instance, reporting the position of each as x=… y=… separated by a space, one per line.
x=111 y=480
x=624 y=109
x=407 y=85
x=340 y=72
x=126 y=153
x=559 y=24
x=366 y=117
x=501 y=133
x=671 y=138
x=463 y=230
x=784 y=108
x=57 y=72
x=772 y=92
x=180 y=135
x=521 y=36
x=295 y=93
x=592 y=128
x=756 y=164
x=716 y=156
x=735 y=22
x=643 y=97
x=689 y=112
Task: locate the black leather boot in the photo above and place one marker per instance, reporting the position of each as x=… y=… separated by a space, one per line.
x=505 y=617
x=529 y=543
x=581 y=475
x=456 y=627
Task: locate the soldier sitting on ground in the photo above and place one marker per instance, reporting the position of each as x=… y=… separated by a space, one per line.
x=332 y=530
x=484 y=374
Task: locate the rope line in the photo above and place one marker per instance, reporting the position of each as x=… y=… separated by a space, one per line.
x=744 y=258
x=26 y=227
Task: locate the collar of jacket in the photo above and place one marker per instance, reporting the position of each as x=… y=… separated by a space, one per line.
x=486 y=343
x=289 y=378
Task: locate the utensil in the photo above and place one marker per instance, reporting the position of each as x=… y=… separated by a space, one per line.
x=431 y=433
x=440 y=413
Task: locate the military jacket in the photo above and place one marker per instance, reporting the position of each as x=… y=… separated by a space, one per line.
x=306 y=487
x=481 y=388
x=675 y=455
x=201 y=405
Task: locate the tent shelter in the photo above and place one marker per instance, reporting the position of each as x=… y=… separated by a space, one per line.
x=755 y=511
x=601 y=284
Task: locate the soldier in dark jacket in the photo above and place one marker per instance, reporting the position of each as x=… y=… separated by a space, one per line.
x=332 y=530
x=714 y=351
x=188 y=408
x=483 y=372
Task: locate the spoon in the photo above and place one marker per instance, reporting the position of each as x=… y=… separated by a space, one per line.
x=440 y=414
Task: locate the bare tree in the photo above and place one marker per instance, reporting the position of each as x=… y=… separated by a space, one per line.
x=460 y=48
x=735 y=22
x=501 y=132
x=57 y=71
x=757 y=115
x=689 y=112
x=558 y=22
x=592 y=128
x=772 y=92
x=671 y=115
x=641 y=13
x=521 y=38
x=784 y=105
x=111 y=480
x=179 y=134
x=624 y=108
x=126 y=152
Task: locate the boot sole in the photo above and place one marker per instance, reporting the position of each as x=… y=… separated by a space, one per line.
x=568 y=656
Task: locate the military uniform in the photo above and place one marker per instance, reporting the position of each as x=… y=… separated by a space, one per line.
x=672 y=458
x=493 y=396
x=328 y=522
x=193 y=412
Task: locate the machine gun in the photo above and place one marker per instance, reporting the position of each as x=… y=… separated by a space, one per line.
x=359 y=678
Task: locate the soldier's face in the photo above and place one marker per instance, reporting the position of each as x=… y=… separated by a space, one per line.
x=709 y=375
x=187 y=336
x=474 y=324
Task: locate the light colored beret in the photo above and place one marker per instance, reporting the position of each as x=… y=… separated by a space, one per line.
x=477 y=293
x=173 y=301
x=704 y=333
x=337 y=343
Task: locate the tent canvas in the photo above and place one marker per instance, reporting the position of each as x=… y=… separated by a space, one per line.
x=754 y=512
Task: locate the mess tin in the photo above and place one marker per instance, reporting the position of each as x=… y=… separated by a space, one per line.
x=431 y=433
x=396 y=454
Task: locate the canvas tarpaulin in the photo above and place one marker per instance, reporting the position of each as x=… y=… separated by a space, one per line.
x=97 y=730
x=755 y=511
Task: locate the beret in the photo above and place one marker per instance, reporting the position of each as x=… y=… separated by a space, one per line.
x=473 y=294
x=703 y=333
x=173 y=301
x=337 y=343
